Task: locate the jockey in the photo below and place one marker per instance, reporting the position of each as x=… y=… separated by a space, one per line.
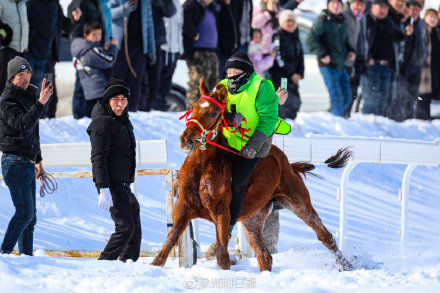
x=252 y=104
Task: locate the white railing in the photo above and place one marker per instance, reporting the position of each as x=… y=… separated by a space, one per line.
x=317 y=148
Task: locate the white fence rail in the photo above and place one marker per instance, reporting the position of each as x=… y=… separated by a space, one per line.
x=315 y=149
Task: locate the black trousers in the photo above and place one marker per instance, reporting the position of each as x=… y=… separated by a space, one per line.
x=423 y=107
x=242 y=170
x=169 y=63
x=6 y=54
x=125 y=242
x=150 y=86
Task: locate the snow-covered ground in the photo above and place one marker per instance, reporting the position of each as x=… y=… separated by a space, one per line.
x=70 y=220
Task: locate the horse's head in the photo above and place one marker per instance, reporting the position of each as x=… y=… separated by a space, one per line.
x=205 y=113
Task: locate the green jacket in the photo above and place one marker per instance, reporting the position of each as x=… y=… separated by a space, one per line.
x=266 y=106
x=328 y=36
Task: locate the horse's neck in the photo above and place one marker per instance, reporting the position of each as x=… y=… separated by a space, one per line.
x=212 y=152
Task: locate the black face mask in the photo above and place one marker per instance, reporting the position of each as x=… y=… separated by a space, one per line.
x=237 y=81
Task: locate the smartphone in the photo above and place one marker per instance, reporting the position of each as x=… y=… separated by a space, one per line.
x=283 y=83
x=48 y=77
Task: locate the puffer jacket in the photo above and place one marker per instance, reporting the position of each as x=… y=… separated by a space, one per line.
x=113 y=147
x=91 y=61
x=14 y=14
x=19 y=116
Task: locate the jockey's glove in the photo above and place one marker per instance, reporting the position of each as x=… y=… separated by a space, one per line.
x=105 y=200
x=248 y=152
x=257 y=140
x=235 y=118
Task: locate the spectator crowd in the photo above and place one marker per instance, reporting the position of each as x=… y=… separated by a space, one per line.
x=381 y=51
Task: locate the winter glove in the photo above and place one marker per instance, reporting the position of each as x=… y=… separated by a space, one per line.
x=235 y=118
x=129 y=7
x=255 y=143
x=105 y=199
x=248 y=152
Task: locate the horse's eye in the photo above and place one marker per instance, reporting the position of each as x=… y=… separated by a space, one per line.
x=213 y=114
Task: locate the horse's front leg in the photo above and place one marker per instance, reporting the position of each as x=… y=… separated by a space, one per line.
x=222 y=226
x=181 y=217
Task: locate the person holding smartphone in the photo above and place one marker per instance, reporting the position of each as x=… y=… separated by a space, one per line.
x=20 y=111
x=289 y=63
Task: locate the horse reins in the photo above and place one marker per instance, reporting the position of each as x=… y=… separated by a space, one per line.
x=48 y=184
x=221 y=122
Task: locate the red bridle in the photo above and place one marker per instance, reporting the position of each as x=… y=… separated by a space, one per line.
x=221 y=122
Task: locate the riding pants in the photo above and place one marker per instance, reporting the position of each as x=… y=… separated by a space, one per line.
x=242 y=169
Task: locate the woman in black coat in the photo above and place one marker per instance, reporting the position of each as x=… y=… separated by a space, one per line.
x=113 y=166
x=289 y=63
x=430 y=80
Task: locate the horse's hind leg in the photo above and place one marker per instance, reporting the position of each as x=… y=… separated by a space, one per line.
x=253 y=229
x=181 y=218
x=303 y=208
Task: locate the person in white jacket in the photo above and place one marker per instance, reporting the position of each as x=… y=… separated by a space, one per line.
x=14 y=14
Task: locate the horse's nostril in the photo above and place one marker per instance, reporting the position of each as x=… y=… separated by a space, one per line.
x=189 y=142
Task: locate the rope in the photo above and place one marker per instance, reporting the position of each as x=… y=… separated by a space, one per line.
x=48 y=184
x=127 y=55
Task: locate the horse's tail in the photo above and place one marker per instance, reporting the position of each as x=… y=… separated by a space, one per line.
x=339 y=159
x=336 y=161
x=303 y=168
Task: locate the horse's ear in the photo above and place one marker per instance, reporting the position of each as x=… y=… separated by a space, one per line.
x=203 y=88
x=222 y=93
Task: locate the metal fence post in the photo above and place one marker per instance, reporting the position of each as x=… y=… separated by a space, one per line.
x=343 y=205
x=404 y=208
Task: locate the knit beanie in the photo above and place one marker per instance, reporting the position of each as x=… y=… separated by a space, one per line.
x=17 y=65
x=286 y=15
x=114 y=87
x=240 y=61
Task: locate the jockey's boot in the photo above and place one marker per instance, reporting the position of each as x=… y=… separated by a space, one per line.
x=212 y=250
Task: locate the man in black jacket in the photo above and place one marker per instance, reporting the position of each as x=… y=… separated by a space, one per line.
x=20 y=112
x=113 y=166
x=43 y=20
x=151 y=81
x=242 y=10
x=228 y=38
x=415 y=50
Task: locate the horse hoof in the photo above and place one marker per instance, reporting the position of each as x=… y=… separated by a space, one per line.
x=157 y=263
x=346 y=265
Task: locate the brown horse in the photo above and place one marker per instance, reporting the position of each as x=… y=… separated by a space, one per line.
x=205 y=188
